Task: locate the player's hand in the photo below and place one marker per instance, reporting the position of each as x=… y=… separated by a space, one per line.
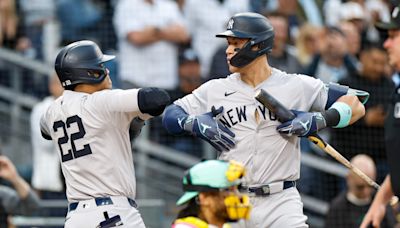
x=374 y=216
x=208 y=127
x=7 y=169
x=304 y=125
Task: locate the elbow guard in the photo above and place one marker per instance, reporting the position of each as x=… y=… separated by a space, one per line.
x=335 y=91
x=153 y=100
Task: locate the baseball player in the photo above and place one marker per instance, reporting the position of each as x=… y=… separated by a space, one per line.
x=245 y=131
x=89 y=124
x=391 y=185
x=211 y=196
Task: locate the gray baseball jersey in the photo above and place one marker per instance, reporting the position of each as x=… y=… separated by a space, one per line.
x=91 y=131
x=268 y=156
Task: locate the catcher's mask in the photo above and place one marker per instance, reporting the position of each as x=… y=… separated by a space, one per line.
x=257 y=29
x=217 y=176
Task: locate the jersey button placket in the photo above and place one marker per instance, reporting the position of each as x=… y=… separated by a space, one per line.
x=253 y=146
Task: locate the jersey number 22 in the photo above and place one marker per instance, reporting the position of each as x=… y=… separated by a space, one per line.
x=73 y=152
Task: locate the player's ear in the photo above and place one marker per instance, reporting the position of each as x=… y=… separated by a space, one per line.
x=202 y=199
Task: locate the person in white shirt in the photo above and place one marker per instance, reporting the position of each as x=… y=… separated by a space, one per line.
x=206 y=18
x=148 y=32
x=46 y=176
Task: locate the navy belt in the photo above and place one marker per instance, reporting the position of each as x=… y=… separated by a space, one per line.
x=100 y=201
x=265 y=190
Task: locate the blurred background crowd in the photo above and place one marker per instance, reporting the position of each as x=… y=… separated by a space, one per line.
x=172 y=45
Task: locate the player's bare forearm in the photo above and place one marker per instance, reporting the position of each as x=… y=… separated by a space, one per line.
x=385 y=193
x=377 y=210
x=174 y=33
x=144 y=37
x=21 y=186
x=357 y=108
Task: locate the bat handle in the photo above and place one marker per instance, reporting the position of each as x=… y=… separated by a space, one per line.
x=317 y=140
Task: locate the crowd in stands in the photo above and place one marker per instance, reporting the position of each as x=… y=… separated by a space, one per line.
x=172 y=45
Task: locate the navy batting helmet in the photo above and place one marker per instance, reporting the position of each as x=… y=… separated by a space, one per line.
x=251 y=26
x=81 y=62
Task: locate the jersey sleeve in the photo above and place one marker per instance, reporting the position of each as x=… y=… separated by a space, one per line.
x=314 y=92
x=196 y=102
x=118 y=100
x=44 y=129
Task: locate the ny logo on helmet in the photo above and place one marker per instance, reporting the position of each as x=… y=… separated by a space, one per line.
x=230 y=24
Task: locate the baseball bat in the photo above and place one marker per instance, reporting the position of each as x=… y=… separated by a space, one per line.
x=283 y=114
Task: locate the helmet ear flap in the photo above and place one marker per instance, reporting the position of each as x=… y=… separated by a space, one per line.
x=244 y=56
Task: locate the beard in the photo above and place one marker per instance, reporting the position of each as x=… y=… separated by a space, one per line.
x=221 y=212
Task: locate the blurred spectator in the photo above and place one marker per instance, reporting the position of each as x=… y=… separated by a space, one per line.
x=181 y=4
x=348 y=209
x=331 y=12
x=353 y=12
x=8 y=23
x=282 y=55
x=219 y=65
x=261 y=6
x=104 y=28
x=189 y=74
x=312 y=11
x=36 y=14
x=356 y=13
x=11 y=31
x=189 y=79
x=379 y=10
x=19 y=200
x=353 y=39
x=302 y=11
x=353 y=42
x=46 y=177
x=334 y=62
x=367 y=134
x=308 y=43
x=291 y=10
x=148 y=32
x=206 y=18
x=78 y=20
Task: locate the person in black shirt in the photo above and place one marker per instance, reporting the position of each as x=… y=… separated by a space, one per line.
x=348 y=208
x=391 y=185
x=20 y=199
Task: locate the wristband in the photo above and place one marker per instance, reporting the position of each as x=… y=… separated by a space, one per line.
x=345 y=113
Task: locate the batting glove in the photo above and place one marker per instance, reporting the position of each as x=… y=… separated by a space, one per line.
x=208 y=127
x=304 y=125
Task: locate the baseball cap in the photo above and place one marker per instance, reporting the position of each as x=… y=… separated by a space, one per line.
x=188 y=55
x=351 y=11
x=208 y=176
x=394 y=22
